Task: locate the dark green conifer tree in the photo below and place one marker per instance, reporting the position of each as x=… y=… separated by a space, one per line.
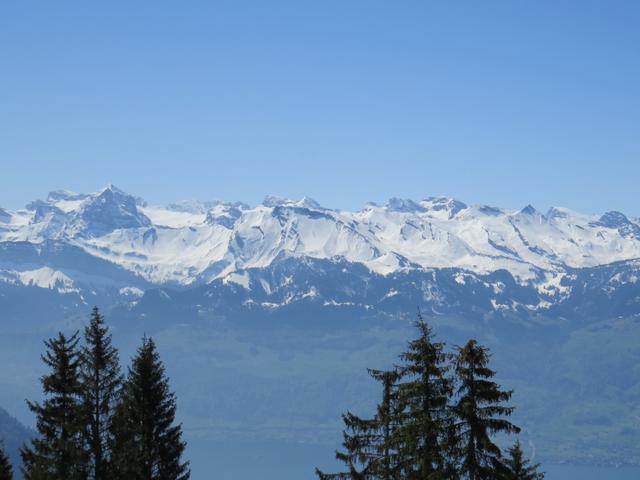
x=6 y=470
x=58 y=451
x=519 y=468
x=370 y=452
x=147 y=444
x=388 y=462
x=424 y=392
x=101 y=380
x=480 y=413
x=432 y=426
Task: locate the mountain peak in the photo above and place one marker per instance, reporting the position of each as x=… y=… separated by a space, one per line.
x=110 y=187
x=113 y=192
x=556 y=212
x=447 y=205
x=619 y=221
x=613 y=219
x=529 y=210
x=490 y=211
x=275 y=201
x=225 y=214
x=107 y=210
x=395 y=204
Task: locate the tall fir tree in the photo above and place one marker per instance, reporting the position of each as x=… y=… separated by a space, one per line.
x=388 y=462
x=370 y=452
x=101 y=380
x=480 y=413
x=424 y=391
x=147 y=444
x=6 y=470
x=57 y=453
x=520 y=468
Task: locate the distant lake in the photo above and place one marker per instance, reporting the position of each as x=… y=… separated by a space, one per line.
x=566 y=472
x=275 y=460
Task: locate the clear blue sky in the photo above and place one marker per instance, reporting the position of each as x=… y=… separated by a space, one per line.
x=499 y=102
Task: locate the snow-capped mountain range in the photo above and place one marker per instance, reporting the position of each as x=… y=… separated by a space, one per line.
x=197 y=242
x=283 y=301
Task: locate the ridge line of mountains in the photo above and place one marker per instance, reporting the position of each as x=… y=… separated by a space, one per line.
x=112 y=243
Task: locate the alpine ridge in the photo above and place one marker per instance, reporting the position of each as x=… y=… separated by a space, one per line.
x=197 y=243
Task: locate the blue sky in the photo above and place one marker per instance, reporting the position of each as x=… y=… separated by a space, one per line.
x=499 y=102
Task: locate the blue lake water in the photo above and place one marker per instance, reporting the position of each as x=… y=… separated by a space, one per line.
x=281 y=461
x=567 y=472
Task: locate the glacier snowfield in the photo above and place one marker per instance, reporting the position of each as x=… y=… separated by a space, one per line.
x=196 y=242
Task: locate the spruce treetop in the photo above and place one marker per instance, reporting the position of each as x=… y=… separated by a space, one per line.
x=148 y=443
x=58 y=452
x=101 y=382
x=480 y=412
x=520 y=468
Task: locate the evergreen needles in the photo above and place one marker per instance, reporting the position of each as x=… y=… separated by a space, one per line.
x=95 y=425
x=6 y=471
x=518 y=467
x=59 y=450
x=101 y=389
x=437 y=420
x=148 y=446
